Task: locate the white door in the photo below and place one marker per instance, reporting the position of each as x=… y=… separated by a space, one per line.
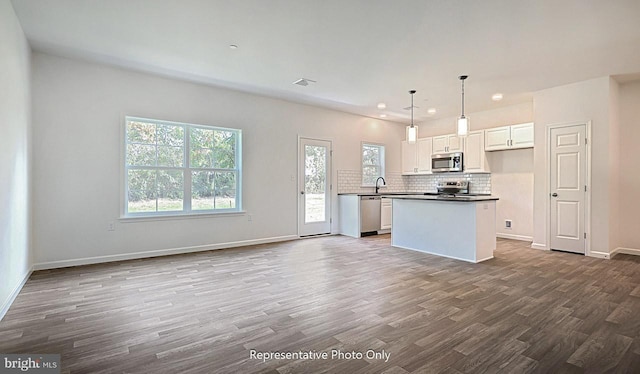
x=497 y=138
x=567 y=188
x=424 y=155
x=409 y=158
x=314 y=194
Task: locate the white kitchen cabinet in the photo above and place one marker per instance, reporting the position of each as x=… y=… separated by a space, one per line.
x=409 y=158
x=522 y=135
x=509 y=137
x=475 y=159
x=447 y=143
x=423 y=155
x=385 y=213
x=416 y=158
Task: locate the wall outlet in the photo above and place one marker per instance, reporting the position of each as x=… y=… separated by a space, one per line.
x=507 y=223
x=111 y=226
x=249 y=217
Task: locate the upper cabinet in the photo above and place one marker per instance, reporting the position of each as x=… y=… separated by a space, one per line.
x=475 y=160
x=409 y=158
x=425 y=149
x=509 y=137
x=416 y=158
x=447 y=143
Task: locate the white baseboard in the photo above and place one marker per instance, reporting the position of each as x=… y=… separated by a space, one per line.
x=156 y=253
x=597 y=254
x=539 y=246
x=626 y=251
x=12 y=296
x=515 y=237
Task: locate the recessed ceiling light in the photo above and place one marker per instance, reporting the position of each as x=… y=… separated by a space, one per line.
x=496 y=97
x=382 y=105
x=431 y=110
x=383 y=116
x=233 y=46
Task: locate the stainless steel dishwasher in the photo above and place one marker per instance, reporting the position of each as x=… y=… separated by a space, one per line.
x=369 y=214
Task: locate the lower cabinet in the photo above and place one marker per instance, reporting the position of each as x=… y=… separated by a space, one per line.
x=385 y=213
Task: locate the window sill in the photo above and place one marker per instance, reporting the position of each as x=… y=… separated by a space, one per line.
x=167 y=217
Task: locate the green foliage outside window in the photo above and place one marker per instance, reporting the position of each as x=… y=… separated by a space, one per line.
x=159 y=165
x=372 y=163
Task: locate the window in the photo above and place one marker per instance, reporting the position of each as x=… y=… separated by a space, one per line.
x=177 y=168
x=372 y=163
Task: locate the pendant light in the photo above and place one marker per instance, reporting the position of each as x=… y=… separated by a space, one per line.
x=412 y=131
x=463 y=122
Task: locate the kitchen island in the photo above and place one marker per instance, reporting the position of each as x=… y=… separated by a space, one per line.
x=462 y=228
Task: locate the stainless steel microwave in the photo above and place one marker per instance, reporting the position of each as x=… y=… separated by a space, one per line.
x=446 y=162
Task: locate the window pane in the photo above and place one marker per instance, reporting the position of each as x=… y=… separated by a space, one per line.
x=202 y=190
x=170 y=135
x=224 y=184
x=370 y=155
x=142 y=180
x=314 y=207
x=141 y=155
x=141 y=201
x=225 y=150
x=170 y=180
x=370 y=174
x=315 y=183
x=201 y=158
x=170 y=200
x=201 y=138
x=140 y=132
x=372 y=163
x=170 y=156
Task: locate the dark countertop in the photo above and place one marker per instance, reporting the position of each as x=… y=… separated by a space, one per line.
x=388 y=193
x=426 y=196
x=472 y=198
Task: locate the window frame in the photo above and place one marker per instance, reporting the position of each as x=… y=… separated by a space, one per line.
x=186 y=171
x=383 y=157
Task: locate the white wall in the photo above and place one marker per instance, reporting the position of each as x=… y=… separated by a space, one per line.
x=78 y=116
x=502 y=116
x=512 y=181
x=15 y=107
x=511 y=171
x=575 y=103
x=615 y=155
x=629 y=188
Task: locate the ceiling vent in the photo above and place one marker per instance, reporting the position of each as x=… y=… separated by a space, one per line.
x=304 y=82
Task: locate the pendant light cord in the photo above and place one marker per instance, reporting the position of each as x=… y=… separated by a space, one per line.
x=462 y=98
x=412 y=92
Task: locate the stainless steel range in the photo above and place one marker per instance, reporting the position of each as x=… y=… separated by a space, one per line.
x=453 y=187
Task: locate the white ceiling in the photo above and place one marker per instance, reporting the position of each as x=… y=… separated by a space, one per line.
x=360 y=52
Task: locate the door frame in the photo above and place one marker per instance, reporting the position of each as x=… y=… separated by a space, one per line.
x=587 y=210
x=330 y=182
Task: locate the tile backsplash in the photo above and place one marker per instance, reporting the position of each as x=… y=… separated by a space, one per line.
x=350 y=181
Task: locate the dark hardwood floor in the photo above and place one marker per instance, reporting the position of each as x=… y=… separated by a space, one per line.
x=524 y=311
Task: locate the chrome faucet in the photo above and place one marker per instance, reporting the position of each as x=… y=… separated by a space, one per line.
x=384 y=183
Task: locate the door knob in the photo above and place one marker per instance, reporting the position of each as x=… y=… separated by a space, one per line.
x=554 y=194
x=301 y=192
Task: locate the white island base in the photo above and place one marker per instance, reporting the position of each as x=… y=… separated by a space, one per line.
x=463 y=230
